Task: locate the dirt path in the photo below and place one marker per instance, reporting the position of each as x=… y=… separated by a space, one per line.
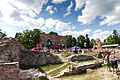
x=62 y=58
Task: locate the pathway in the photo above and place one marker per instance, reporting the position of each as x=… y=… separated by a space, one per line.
x=56 y=68
x=49 y=76
x=62 y=58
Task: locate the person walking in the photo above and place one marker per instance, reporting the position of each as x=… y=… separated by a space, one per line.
x=114 y=64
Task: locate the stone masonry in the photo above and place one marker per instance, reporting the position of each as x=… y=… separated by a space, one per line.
x=29 y=58
x=79 y=57
x=10 y=49
x=9 y=71
x=54 y=38
x=78 y=69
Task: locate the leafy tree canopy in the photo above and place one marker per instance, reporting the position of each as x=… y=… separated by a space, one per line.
x=2 y=34
x=114 y=38
x=53 y=33
x=69 y=40
x=29 y=38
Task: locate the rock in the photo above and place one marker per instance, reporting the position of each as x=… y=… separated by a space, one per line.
x=89 y=70
x=33 y=74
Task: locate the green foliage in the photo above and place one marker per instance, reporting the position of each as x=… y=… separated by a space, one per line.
x=81 y=40
x=29 y=38
x=87 y=41
x=113 y=38
x=53 y=33
x=92 y=42
x=69 y=41
x=60 y=69
x=2 y=34
x=74 y=41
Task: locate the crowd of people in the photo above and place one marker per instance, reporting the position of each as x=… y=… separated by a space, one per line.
x=111 y=61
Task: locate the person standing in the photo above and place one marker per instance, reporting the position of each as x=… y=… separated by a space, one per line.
x=114 y=64
x=107 y=59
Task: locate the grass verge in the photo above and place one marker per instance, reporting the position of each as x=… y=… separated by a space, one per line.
x=59 y=69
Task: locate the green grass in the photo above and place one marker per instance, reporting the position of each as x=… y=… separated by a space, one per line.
x=67 y=54
x=87 y=61
x=95 y=74
x=60 y=69
x=43 y=68
x=50 y=67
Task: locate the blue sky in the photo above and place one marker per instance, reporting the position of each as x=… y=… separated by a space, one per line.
x=97 y=18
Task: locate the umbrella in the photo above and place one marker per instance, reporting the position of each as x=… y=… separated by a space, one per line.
x=74 y=48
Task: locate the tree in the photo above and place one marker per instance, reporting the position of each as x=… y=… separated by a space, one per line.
x=87 y=41
x=92 y=42
x=114 y=38
x=18 y=35
x=74 y=41
x=69 y=40
x=53 y=33
x=81 y=41
x=29 y=38
x=2 y=34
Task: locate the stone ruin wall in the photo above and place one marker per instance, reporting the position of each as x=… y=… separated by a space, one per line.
x=10 y=49
x=29 y=58
x=56 y=39
x=80 y=57
x=13 y=51
x=71 y=70
x=98 y=45
x=9 y=71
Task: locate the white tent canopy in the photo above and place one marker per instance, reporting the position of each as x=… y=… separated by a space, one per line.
x=112 y=45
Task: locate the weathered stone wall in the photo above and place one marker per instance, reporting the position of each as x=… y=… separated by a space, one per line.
x=37 y=58
x=80 y=57
x=10 y=49
x=9 y=71
x=32 y=74
x=56 y=39
x=71 y=70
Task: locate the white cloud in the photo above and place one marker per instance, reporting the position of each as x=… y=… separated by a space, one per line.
x=76 y=33
x=50 y=23
x=79 y=4
x=20 y=18
x=35 y=5
x=108 y=10
x=100 y=34
x=51 y=9
x=61 y=26
x=69 y=9
x=58 y=1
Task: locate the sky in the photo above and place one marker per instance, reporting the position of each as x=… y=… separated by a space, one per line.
x=97 y=18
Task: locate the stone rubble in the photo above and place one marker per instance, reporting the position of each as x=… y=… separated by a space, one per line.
x=33 y=74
